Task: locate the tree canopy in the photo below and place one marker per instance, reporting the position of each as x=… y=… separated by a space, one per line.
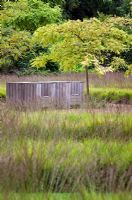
x=74 y=42
x=29 y=14
x=65 y=32
x=18 y=20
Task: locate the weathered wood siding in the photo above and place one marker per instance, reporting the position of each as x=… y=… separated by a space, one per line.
x=21 y=92
x=63 y=94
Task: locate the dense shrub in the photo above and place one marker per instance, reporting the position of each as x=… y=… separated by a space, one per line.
x=14 y=45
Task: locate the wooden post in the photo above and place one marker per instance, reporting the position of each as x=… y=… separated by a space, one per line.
x=87 y=82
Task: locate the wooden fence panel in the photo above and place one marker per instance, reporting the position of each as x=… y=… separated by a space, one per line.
x=60 y=94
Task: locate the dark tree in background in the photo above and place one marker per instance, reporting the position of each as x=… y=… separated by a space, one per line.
x=79 y=9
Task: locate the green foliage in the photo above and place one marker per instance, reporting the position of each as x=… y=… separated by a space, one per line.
x=16 y=49
x=13 y=45
x=2 y=92
x=74 y=42
x=79 y=9
x=119 y=64
x=29 y=14
x=18 y=17
x=120 y=22
x=125 y=8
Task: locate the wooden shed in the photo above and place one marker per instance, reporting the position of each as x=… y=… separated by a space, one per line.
x=60 y=94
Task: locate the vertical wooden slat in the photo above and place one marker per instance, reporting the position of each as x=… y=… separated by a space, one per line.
x=16 y=95
x=26 y=93
x=53 y=93
x=38 y=90
x=68 y=94
x=22 y=93
x=7 y=91
x=30 y=89
x=82 y=91
x=35 y=94
x=13 y=92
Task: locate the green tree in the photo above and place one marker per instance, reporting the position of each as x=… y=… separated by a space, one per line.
x=79 y=9
x=18 y=20
x=13 y=45
x=29 y=14
x=81 y=42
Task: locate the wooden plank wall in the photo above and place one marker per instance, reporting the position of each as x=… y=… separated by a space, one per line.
x=58 y=94
x=21 y=92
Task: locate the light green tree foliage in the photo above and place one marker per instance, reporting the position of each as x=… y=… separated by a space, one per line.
x=120 y=22
x=119 y=64
x=81 y=42
x=29 y=14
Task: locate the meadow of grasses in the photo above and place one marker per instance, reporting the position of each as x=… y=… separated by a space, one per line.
x=67 y=154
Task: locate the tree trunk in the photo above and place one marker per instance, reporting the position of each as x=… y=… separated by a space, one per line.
x=87 y=82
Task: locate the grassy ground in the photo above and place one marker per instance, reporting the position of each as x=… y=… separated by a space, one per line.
x=78 y=125
x=63 y=151
x=64 y=155
x=86 y=196
x=66 y=166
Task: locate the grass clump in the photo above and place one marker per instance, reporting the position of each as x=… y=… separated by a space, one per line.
x=114 y=95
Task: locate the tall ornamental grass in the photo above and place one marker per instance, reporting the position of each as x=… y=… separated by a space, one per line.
x=59 y=151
